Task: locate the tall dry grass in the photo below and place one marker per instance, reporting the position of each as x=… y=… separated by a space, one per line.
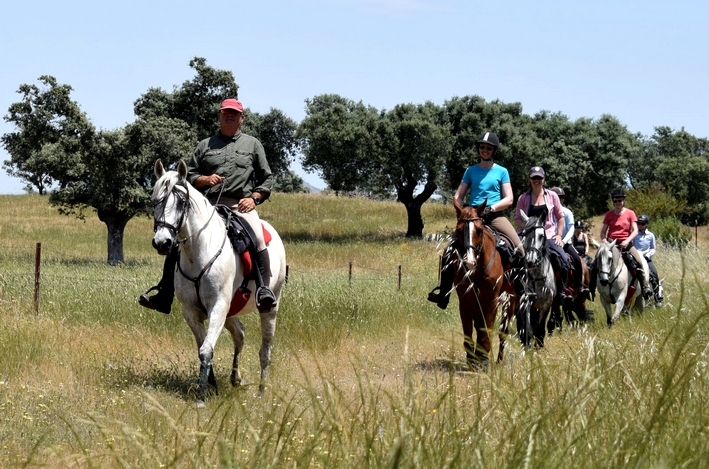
x=364 y=373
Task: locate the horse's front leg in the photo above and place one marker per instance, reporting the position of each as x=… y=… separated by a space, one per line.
x=236 y=328
x=268 y=330
x=206 y=374
x=507 y=309
x=207 y=382
x=484 y=324
x=617 y=309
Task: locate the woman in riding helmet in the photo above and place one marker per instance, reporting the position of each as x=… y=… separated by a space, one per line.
x=534 y=203
x=580 y=239
x=645 y=243
x=487 y=181
x=620 y=224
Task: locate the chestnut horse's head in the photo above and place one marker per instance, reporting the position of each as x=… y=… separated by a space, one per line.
x=469 y=233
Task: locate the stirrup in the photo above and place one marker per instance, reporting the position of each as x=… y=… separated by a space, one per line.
x=265 y=299
x=155 y=301
x=433 y=296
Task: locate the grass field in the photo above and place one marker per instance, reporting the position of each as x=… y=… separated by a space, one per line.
x=366 y=372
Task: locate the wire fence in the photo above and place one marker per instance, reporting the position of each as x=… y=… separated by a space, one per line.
x=53 y=271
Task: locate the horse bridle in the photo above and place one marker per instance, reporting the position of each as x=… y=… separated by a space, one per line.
x=614 y=255
x=540 y=251
x=468 y=236
x=182 y=205
x=477 y=249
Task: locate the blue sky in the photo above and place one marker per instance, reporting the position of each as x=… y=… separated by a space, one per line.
x=644 y=62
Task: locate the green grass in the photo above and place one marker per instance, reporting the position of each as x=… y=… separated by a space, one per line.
x=364 y=374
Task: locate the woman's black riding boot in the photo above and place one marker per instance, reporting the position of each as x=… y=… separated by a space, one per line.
x=162 y=300
x=443 y=295
x=265 y=299
x=593 y=280
x=564 y=279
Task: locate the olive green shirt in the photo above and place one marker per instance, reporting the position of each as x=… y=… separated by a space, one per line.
x=240 y=159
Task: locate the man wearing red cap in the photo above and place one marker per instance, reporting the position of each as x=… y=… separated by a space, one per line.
x=230 y=168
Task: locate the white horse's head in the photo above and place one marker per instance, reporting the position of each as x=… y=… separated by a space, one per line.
x=605 y=261
x=534 y=239
x=170 y=200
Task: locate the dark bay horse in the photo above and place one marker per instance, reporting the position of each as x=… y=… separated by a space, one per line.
x=479 y=277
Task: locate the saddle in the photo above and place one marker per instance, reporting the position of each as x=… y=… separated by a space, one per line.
x=510 y=262
x=633 y=267
x=241 y=238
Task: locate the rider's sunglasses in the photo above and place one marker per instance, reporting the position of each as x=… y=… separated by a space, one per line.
x=485 y=146
x=229 y=111
x=536 y=178
x=615 y=201
x=641 y=224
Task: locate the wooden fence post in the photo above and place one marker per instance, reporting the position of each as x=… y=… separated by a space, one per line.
x=37 y=257
x=399 y=277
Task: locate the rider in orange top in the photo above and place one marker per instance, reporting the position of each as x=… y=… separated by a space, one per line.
x=620 y=224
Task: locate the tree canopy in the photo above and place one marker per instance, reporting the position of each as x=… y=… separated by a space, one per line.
x=56 y=148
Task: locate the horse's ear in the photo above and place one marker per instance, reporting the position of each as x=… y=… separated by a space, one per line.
x=612 y=244
x=159 y=169
x=458 y=208
x=524 y=216
x=481 y=207
x=182 y=169
x=544 y=215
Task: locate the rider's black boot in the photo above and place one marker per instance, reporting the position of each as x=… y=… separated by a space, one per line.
x=592 y=282
x=162 y=300
x=441 y=294
x=265 y=299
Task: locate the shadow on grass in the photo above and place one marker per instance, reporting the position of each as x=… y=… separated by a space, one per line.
x=443 y=365
x=153 y=376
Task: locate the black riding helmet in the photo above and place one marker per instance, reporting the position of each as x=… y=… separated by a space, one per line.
x=491 y=139
x=644 y=219
x=618 y=193
x=578 y=224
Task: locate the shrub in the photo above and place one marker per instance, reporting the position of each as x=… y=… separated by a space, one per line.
x=655 y=202
x=671 y=232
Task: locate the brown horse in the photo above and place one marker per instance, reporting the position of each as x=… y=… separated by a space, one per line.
x=478 y=282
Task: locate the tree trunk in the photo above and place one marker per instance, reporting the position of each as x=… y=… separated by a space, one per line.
x=405 y=195
x=415 y=225
x=116 y=224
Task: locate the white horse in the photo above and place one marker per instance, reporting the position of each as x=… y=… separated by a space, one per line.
x=613 y=282
x=209 y=273
x=538 y=280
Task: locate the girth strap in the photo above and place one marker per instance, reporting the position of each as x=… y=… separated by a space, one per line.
x=198 y=279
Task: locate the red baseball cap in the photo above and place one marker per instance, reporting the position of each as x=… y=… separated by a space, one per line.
x=232 y=103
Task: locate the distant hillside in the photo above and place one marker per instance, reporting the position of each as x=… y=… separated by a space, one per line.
x=312 y=189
